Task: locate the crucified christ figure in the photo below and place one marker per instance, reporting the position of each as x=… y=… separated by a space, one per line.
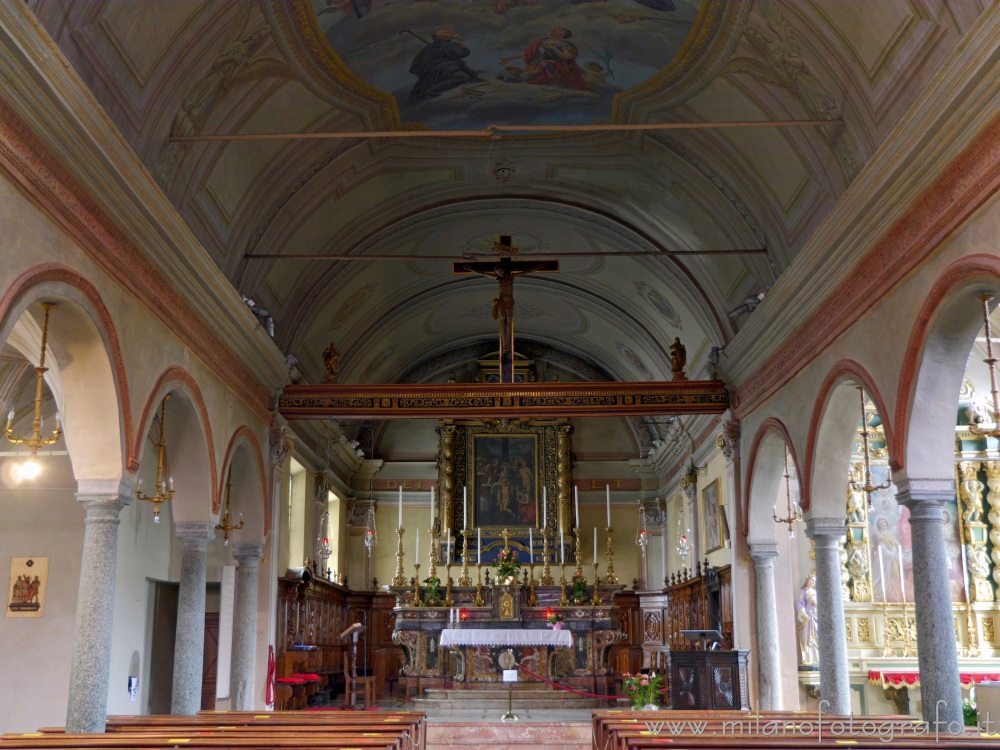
x=505 y=271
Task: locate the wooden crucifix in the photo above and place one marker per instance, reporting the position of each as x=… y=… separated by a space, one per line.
x=504 y=271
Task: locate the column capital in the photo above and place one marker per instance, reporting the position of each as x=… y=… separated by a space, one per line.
x=827 y=531
x=108 y=495
x=248 y=554
x=923 y=489
x=763 y=550
x=194 y=534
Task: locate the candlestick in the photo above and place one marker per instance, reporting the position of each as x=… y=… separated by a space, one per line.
x=546 y=579
x=465 y=579
x=563 y=599
x=400 y=578
x=532 y=598
x=610 y=578
x=902 y=582
x=448 y=601
x=545 y=507
x=531 y=547
x=479 y=546
x=400 y=524
x=478 y=600
x=596 y=599
x=607 y=490
x=576 y=505
x=415 y=602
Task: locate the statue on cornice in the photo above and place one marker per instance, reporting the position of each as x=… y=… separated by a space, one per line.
x=678 y=359
x=331 y=361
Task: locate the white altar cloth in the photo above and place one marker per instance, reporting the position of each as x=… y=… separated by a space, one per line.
x=505 y=637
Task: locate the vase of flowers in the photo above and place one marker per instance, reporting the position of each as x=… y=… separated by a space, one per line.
x=643 y=690
x=578 y=590
x=508 y=566
x=556 y=621
x=432 y=597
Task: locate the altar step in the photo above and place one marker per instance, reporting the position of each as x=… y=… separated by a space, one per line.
x=473 y=735
x=522 y=697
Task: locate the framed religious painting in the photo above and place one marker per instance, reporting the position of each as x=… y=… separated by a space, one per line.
x=26 y=590
x=711 y=518
x=496 y=475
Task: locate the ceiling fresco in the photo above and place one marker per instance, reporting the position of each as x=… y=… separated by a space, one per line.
x=469 y=64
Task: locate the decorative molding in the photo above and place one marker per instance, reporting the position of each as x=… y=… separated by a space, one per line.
x=46 y=181
x=957 y=193
x=476 y=401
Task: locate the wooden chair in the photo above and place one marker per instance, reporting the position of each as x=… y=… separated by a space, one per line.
x=363 y=684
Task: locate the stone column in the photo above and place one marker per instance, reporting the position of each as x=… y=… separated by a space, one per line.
x=244 y=626
x=189 y=644
x=834 y=680
x=90 y=670
x=768 y=657
x=937 y=656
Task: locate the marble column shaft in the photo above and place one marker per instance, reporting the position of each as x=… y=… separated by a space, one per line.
x=834 y=677
x=90 y=670
x=189 y=644
x=241 y=676
x=768 y=655
x=937 y=658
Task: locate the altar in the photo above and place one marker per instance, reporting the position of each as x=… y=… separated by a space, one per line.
x=473 y=652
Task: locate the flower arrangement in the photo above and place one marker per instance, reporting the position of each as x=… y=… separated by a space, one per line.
x=578 y=589
x=433 y=594
x=555 y=617
x=642 y=689
x=508 y=566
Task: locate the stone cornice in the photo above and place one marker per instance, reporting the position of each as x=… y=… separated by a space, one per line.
x=933 y=171
x=63 y=150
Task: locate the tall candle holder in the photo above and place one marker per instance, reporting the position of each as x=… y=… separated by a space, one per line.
x=400 y=578
x=609 y=578
x=908 y=650
x=886 y=648
x=532 y=598
x=448 y=601
x=432 y=556
x=478 y=600
x=546 y=579
x=464 y=579
x=563 y=599
x=579 y=565
x=972 y=621
x=596 y=599
x=415 y=602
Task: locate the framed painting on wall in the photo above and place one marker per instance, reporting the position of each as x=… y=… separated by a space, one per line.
x=711 y=515
x=26 y=592
x=506 y=480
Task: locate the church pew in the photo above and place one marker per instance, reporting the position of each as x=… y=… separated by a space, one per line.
x=254 y=741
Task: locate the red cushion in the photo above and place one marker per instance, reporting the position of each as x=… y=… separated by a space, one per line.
x=308 y=676
x=291 y=680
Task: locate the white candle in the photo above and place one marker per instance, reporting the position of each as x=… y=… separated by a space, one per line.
x=595 y=545
x=448 y=534
x=479 y=546
x=465 y=507
x=545 y=517
x=416 y=546
x=576 y=506
x=607 y=489
x=881 y=572
x=531 y=546
x=902 y=582
x=432 y=507
x=965 y=572
x=400 y=524
x=562 y=549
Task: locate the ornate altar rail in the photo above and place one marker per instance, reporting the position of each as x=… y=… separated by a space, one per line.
x=490 y=401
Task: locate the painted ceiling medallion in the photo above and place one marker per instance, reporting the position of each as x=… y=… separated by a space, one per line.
x=461 y=64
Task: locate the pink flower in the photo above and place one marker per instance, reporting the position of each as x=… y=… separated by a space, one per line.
x=644 y=682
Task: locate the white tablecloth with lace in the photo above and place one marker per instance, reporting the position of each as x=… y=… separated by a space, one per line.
x=505 y=637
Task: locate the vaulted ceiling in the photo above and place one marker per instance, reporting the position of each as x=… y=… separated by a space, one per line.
x=620 y=202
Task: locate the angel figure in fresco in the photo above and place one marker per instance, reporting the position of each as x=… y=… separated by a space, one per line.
x=886 y=550
x=552 y=60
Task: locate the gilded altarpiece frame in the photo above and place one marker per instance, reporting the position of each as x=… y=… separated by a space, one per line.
x=541 y=450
